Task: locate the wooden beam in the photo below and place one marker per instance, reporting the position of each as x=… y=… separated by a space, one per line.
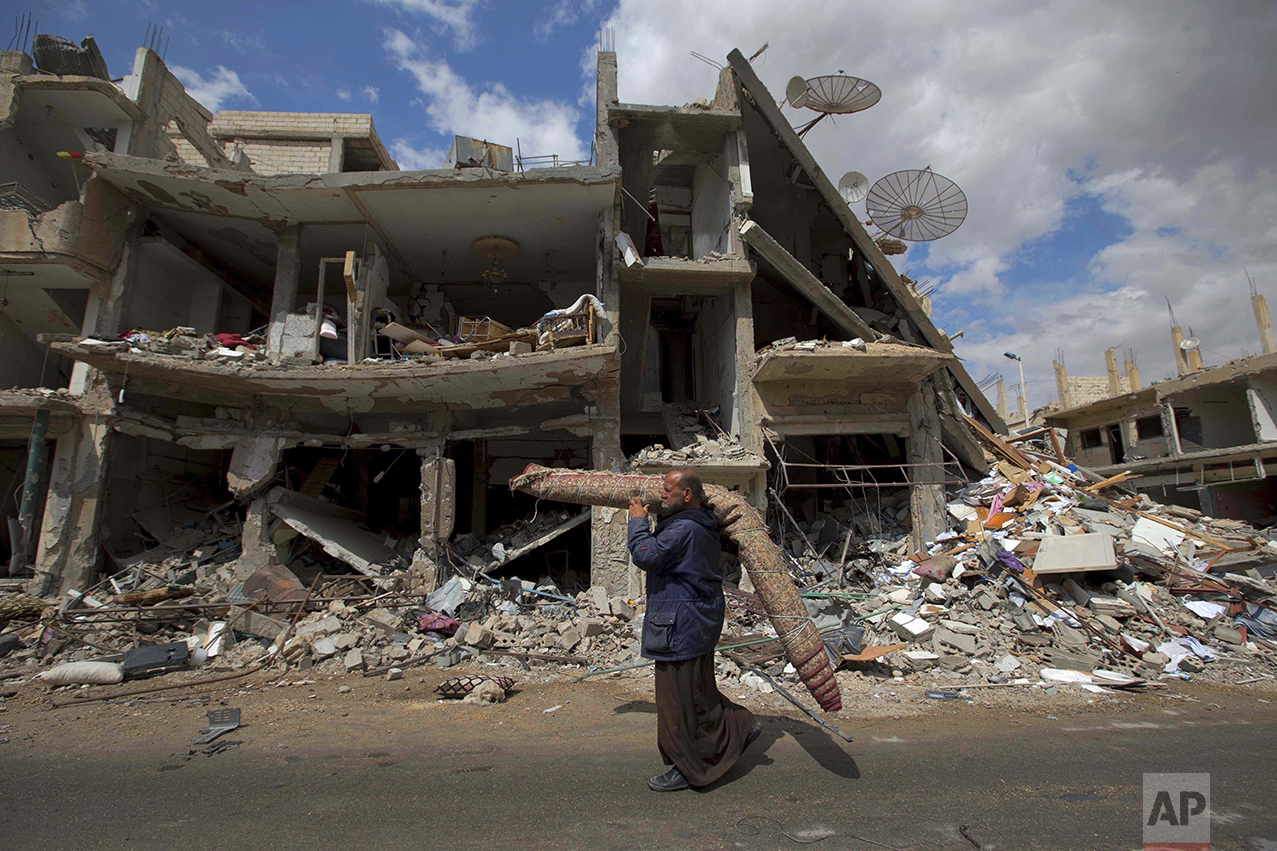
x=807 y=284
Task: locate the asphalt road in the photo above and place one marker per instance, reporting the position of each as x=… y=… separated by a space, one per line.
x=362 y=772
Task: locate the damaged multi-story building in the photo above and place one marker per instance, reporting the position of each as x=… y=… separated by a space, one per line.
x=258 y=314
x=1205 y=439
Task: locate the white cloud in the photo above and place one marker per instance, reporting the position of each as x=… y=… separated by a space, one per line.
x=1158 y=110
x=455 y=107
x=416 y=159
x=371 y=93
x=224 y=85
x=455 y=16
x=561 y=14
x=343 y=94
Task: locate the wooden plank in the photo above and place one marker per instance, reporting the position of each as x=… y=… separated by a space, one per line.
x=808 y=285
x=1111 y=480
x=999 y=446
x=1198 y=535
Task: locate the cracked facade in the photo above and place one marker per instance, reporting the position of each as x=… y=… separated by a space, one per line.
x=388 y=354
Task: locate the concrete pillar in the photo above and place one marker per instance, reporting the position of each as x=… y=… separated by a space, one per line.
x=479 y=492
x=256 y=548
x=438 y=515
x=336 y=155
x=288 y=270
x=109 y=303
x=1061 y=384
x=1266 y=341
x=1002 y=400
x=747 y=425
x=1132 y=376
x=1110 y=364
x=70 y=536
x=1181 y=363
x=20 y=548
x=606 y=149
x=1023 y=409
x=923 y=447
x=1194 y=357
x=609 y=558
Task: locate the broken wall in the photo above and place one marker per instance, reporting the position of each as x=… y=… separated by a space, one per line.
x=715 y=342
x=711 y=208
x=1262 y=396
x=1225 y=415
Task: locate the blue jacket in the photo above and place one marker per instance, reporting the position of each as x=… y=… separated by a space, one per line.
x=684 y=584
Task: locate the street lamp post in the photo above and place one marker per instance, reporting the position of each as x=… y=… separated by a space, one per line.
x=1013 y=356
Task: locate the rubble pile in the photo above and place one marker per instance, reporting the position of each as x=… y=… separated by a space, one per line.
x=694 y=438
x=185 y=342
x=1043 y=579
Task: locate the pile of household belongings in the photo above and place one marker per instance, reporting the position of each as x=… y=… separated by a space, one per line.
x=1048 y=574
x=485 y=337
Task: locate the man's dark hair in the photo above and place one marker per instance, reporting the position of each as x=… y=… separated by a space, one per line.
x=689 y=479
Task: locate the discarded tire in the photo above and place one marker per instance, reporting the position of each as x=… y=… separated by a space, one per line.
x=739 y=521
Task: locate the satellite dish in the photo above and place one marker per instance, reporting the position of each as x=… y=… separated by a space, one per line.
x=1190 y=344
x=916 y=205
x=838 y=94
x=853 y=186
x=796 y=92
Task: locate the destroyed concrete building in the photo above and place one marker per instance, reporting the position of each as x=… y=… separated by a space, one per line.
x=1206 y=439
x=257 y=312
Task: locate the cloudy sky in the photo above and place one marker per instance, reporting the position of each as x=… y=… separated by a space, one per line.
x=1114 y=155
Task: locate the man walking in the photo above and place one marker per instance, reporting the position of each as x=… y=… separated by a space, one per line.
x=699 y=732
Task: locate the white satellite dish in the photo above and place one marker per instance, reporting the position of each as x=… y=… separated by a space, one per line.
x=1190 y=344
x=797 y=91
x=853 y=186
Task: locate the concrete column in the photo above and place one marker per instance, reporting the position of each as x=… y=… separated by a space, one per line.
x=256 y=548
x=607 y=287
x=606 y=149
x=479 y=492
x=1132 y=377
x=1110 y=364
x=1002 y=400
x=336 y=155
x=34 y=479
x=923 y=446
x=609 y=558
x=748 y=425
x=1266 y=341
x=288 y=270
x=1181 y=363
x=109 y=304
x=438 y=515
x=1061 y=384
x=70 y=536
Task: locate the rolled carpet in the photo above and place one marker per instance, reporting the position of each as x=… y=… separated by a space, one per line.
x=739 y=521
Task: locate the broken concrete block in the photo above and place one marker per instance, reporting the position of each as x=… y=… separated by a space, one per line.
x=1008 y=664
x=323 y=648
x=963 y=643
x=621 y=609
x=910 y=628
x=986 y=599
x=1191 y=665
x=959 y=627
x=935 y=593
x=591 y=628
x=384 y=620
x=323 y=626
x=450 y=658
x=394 y=674
x=519 y=347
x=346 y=640
x=1228 y=634
x=254 y=623
x=354 y=660
x=597 y=595
x=478 y=635
x=569 y=640
x=563 y=627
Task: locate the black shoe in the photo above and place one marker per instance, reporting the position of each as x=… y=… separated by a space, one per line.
x=671 y=781
x=752 y=735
